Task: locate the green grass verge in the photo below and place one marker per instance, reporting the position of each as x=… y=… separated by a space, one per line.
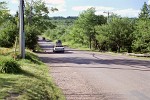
x=77 y=46
x=84 y=48
x=33 y=83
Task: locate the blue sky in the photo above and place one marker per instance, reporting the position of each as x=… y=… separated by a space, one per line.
x=125 y=8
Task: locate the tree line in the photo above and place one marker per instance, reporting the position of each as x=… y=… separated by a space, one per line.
x=36 y=22
x=117 y=34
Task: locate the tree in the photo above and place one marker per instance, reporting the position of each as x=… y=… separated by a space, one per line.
x=145 y=12
x=102 y=37
x=36 y=21
x=142 y=28
x=142 y=35
x=4 y=13
x=31 y=37
x=8 y=28
x=8 y=34
x=36 y=13
x=121 y=34
x=84 y=27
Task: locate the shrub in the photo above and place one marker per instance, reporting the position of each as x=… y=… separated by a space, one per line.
x=9 y=66
x=8 y=33
x=31 y=38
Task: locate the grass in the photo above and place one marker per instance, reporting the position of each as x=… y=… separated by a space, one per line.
x=77 y=46
x=81 y=47
x=33 y=83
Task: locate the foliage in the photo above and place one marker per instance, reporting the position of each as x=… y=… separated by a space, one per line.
x=121 y=34
x=33 y=82
x=32 y=58
x=8 y=33
x=83 y=30
x=118 y=35
x=9 y=66
x=142 y=28
x=36 y=13
x=85 y=25
x=142 y=34
x=62 y=30
x=4 y=13
x=31 y=37
x=102 y=37
x=145 y=12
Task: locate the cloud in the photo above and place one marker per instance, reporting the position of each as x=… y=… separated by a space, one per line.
x=14 y=1
x=101 y=9
x=124 y=12
x=148 y=2
x=13 y=12
x=55 y=2
x=127 y=12
x=81 y=8
x=59 y=4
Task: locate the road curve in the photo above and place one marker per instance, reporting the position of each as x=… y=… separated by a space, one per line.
x=84 y=75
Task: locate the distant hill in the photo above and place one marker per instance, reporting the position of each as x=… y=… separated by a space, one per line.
x=63 y=18
x=63 y=21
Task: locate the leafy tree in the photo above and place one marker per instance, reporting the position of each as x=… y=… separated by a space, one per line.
x=102 y=37
x=142 y=28
x=84 y=27
x=31 y=36
x=4 y=13
x=36 y=13
x=8 y=33
x=142 y=34
x=8 y=28
x=37 y=21
x=55 y=34
x=121 y=34
x=145 y=12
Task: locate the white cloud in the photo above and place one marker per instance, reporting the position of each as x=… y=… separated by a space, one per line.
x=12 y=12
x=124 y=12
x=148 y=2
x=55 y=2
x=15 y=1
x=81 y=8
x=127 y=12
x=100 y=10
x=59 y=4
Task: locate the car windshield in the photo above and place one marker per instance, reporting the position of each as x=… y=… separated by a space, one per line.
x=59 y=46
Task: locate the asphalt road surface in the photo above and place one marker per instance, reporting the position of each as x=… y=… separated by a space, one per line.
x=84 y=75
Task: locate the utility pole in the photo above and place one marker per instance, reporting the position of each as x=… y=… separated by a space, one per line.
x=108 y=14
x=21 y=29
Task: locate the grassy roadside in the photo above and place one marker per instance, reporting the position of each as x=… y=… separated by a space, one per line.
x=77 y=46
x=33 y=83
x=80 y=47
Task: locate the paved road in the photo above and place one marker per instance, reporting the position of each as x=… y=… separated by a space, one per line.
x=84 y=75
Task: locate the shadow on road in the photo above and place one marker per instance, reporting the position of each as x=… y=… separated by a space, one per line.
x=114 y=68
x=45 y=52
x=134 y=64
x=93 y=96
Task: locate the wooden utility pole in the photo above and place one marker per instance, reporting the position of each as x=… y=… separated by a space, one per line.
x=21 y=29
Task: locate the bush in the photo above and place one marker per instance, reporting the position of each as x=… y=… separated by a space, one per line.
x=8 y=33
x=31 y=38
x=9 y=66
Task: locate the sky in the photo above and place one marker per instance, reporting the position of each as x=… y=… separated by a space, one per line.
x=125 y=8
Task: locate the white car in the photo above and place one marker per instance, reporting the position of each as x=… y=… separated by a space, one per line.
x=58 y=49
